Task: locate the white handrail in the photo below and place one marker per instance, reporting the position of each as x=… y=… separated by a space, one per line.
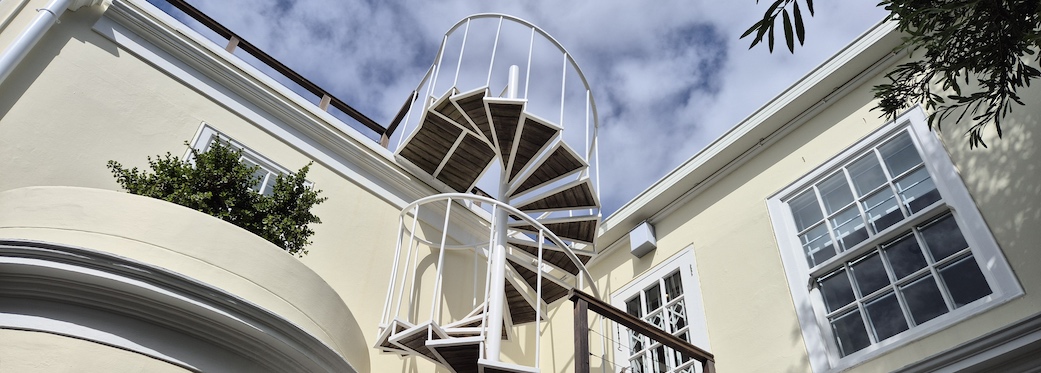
x=393 y=271
x=459 y=64
x=408 y=259
x=495 y=47
x=436 y=303
x=567 y=250
x=538 y=301
x=568 y=57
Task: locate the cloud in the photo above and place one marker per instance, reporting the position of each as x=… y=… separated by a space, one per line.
x=669 y=77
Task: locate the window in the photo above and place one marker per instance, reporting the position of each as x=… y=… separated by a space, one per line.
x=668 y=297
x=890 y=244
x=267 y=172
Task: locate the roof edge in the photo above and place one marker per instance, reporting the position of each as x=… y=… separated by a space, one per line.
x=846 y=69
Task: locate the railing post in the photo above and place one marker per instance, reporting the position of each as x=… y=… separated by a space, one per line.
x=709 y=366
x=233 y=42
x=324 y=103
x=581 y=336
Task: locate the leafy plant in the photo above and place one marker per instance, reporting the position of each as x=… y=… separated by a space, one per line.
x=218 y=183
x=977 y=55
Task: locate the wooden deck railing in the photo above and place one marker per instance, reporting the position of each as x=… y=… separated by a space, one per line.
x=326 y=99
x=585 y=303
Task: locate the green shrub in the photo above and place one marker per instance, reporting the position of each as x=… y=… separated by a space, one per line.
x=216 y=182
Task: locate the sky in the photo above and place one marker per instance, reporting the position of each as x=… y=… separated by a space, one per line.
x=668 y=78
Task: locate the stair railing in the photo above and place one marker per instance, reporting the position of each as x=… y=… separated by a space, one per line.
x=431 y=78
x=584 y=303
x=411 y=252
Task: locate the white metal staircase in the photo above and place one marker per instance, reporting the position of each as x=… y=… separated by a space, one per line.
x=528 y=244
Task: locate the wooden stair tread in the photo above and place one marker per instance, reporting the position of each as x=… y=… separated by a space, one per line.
x=504 y=116
x=551 y=291
x=561 y=162
x=521 y=312
x=431 y=143
x=573 y=196
x=487 y=366
x=383 y=340
x=415 y=339
x=446 y=107
x=534 y=136
x=460 y=354
x=472 y=103
x=466 y=163
x=581 y=229
x=553 y=257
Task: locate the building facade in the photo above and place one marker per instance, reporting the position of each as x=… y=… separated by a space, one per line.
x=813 y=236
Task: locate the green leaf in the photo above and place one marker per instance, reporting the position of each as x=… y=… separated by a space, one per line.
x=750 y=29
x=770 y=11
x=788 y=37
x=809 y=6
x=219 y=183
x=770 y=38
x=800 y=30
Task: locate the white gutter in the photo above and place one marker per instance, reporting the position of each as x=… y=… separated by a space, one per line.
x=45 y=18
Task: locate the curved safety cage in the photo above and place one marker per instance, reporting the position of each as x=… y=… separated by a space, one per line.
x=447 y=327
x=467 y=94
x=504 y=123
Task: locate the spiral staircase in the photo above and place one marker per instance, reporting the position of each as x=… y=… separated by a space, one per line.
x=538 y=228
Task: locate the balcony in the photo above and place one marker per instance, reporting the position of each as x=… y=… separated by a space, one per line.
x=165 y=281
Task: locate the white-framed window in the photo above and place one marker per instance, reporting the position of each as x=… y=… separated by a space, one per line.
x=883 y=245
x=268 y=171
x=669 y=297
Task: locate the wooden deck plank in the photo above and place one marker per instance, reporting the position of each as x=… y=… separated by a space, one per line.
x=553 y=257
x=505 y=119
x=473 y=106
x=431 y=143
x=560 y=162
x=466 y=163
x=534 y=137
x=575 y=197
x=551 y=291
x=521 y=311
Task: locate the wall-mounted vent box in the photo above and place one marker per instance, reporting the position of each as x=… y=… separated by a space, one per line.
x=641 y=240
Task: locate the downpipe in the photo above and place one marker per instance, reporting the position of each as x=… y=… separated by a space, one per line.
x=45 y=18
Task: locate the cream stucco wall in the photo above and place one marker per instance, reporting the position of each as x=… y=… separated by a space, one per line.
x=79 y=100
x=94 y=100
x=34 y=352
x=187 y=242
x=751 y=318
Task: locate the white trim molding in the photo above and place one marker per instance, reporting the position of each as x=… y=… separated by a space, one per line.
x=848 y=247
x=1015 y=348
x=685 y=265
x=138 y=307
x=170 y=46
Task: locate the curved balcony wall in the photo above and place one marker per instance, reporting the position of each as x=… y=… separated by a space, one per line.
x=211 y=288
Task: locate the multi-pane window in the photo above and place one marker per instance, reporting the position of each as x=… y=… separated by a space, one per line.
x=661 y=305
x=891 y=250
x=925 y=273
x=267 y=172
x=669 y=297
x=884 y=186
x=265 y=177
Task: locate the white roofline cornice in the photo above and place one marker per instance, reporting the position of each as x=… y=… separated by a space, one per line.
x=865 y=57
x=378 y=168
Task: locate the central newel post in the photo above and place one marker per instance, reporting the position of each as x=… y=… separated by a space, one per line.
x=497 y=292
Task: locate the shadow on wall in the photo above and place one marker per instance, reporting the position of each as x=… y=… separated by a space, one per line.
x=1005 y=182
